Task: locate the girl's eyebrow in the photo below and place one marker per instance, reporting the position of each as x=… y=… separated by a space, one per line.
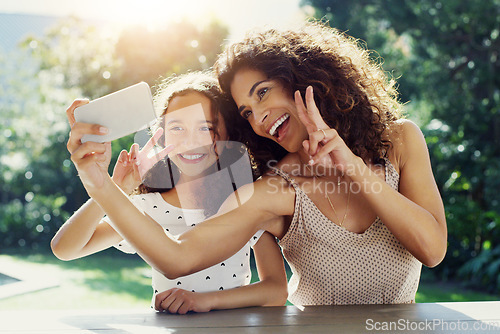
x=180 y=121
x=250 y=93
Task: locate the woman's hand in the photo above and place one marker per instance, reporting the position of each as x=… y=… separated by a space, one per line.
x=91 y=159
x=181 y=301
x=131 y=166
x=324 y=146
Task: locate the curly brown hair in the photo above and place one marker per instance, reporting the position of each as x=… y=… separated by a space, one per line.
x=354 y=95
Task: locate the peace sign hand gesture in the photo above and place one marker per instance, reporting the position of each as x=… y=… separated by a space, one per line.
x=131 y=166
x=324 y=146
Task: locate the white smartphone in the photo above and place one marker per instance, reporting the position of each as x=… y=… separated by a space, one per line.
x=123 y=112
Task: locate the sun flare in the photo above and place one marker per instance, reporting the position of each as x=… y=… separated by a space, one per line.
x=150 y=13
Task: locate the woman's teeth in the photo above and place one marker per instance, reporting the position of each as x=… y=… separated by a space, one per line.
x=278 y=122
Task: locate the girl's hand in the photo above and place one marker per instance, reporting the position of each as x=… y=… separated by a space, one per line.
x=181 y=301
x=324 y=146
x=91 y=159
x=131 y=166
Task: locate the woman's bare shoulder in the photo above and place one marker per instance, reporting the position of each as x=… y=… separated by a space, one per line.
x=405 y=137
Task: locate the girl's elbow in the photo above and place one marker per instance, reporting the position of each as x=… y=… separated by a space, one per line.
x=59 y=252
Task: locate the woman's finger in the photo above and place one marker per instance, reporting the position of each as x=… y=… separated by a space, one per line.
x=79 y=130
x=86 y=149
x=70 y=112
x=303 y=114
x=313 y=111
x=315 y=138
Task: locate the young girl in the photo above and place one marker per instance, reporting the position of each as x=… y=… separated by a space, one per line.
x=190 y=107
x=352 y=200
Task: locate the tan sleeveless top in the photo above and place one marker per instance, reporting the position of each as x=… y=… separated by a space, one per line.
x=331 y=265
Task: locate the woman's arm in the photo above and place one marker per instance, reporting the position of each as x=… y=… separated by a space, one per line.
x=415 y=214
x=206 y=244
x=271 y=290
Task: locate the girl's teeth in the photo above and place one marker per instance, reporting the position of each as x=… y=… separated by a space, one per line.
x=191 y=156
x=280 y=121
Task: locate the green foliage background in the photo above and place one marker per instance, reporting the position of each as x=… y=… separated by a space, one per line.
x=444 y=54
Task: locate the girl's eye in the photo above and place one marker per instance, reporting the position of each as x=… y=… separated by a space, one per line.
x=261 y=92
x=206 y=128
x=246 y=113
x=176 y=128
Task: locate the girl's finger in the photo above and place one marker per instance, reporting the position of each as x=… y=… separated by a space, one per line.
x=70 y=112
x=153 y=140
x=160 y=297
x=164 y=152
x=134 y=155
x=123 y=158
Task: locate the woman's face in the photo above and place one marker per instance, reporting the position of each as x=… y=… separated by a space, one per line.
x=189 y=125
x=269 y=108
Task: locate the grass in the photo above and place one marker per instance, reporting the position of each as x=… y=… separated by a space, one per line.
x=115 y=280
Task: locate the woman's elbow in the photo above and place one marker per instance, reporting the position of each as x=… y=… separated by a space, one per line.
x=177 y=269
x=434 y=255
x=278 y=295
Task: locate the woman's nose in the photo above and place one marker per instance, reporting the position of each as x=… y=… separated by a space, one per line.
x=261 y=116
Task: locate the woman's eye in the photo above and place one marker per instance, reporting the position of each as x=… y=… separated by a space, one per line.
x=246 y=113
x=176 y=128
x=261 y=92
x=206 y=128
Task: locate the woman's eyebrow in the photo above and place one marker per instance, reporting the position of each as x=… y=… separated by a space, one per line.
x=250 y=93
x=252 y=89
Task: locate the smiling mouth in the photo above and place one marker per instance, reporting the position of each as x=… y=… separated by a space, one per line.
x=274 y=130
x=191 y=158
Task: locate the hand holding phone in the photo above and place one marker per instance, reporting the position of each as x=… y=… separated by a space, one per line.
x=123 y=112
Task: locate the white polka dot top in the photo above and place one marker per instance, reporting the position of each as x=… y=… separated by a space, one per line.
x=231 y=273
x=331 y=265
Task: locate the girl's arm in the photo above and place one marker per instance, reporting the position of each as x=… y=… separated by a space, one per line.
x=271 y=290
x=84 y=234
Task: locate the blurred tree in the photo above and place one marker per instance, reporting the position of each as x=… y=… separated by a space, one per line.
x=447 y=54
x=39 y=185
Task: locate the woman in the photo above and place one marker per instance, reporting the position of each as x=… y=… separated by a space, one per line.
x=190 y=107
x=352 y=200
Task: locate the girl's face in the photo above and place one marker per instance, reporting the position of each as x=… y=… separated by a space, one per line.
x=189 y=125
x=269 y=108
